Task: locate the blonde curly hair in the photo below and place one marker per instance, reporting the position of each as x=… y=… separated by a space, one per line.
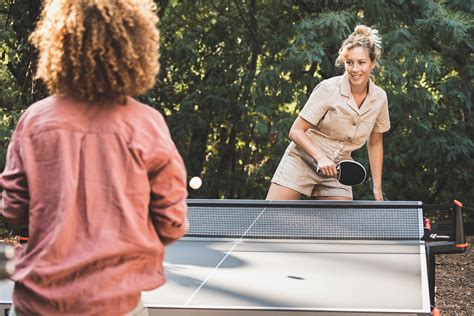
x=97 y=50
x=363 y=36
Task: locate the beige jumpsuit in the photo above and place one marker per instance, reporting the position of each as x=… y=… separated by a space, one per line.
x=339 y=128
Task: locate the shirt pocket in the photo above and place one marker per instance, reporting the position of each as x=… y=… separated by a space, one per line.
x=334 y=125
x=363 y=131
x=295 y=166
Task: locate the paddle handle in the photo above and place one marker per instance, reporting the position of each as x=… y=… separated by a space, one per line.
x=313 y=164
x=310 y=161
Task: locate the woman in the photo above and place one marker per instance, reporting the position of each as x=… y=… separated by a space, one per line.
x=92 y=172
x=341 y=115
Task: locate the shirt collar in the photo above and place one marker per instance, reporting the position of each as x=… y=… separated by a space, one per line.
x=346 y=87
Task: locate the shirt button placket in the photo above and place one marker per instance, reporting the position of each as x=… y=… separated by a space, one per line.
x=354 y=124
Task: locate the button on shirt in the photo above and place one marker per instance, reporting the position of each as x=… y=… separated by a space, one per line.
x=102 y=190
x=340 y=126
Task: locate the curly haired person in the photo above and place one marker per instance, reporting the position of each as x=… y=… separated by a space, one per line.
x=340 y=116
x=93 y=173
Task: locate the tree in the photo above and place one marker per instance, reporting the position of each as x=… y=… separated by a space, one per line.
x=18 y=89
x=235 y=73
x=243 y=69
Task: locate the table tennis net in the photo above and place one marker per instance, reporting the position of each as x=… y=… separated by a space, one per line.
x=306 y=223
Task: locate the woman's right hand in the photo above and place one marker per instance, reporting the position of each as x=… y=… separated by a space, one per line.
x=327 y=167
x=298 y=135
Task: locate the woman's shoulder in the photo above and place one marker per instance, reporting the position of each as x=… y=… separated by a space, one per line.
x=34 y=115
x=377 y=91
x=331 y=82
x=37 y=109
x=145 y=110
x=146 y=115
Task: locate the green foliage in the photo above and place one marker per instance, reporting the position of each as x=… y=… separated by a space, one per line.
x=235 y=74
x=17 y=88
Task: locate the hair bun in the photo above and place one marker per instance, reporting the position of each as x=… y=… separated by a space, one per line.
x=363 y=30
x=370 y=33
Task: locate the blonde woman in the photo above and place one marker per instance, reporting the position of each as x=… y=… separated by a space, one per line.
x=93 y=173
x=341 y=115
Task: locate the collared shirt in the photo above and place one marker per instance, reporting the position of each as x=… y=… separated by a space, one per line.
x=102 y=189
x=340 y=126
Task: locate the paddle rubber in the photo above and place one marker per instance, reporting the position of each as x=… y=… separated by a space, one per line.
x=350 y=172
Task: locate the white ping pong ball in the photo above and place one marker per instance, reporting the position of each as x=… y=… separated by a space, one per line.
x=195 y=183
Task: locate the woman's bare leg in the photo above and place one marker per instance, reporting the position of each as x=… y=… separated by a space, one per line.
x=334 y=198
x=278 y=192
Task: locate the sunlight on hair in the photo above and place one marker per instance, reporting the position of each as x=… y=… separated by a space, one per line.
x=98 y=50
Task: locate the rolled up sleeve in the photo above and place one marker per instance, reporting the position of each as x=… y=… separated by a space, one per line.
x=316 y=106
x=167 y=176
x=382 y=123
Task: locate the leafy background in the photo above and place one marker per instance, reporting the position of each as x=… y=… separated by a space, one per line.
x=235 y=74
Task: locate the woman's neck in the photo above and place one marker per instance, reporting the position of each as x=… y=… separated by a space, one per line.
x=359 y=94
x=360 y=90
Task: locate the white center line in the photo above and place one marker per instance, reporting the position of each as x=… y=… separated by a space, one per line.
x=223 y=259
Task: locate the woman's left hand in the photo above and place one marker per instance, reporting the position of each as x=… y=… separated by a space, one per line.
x=378 y=194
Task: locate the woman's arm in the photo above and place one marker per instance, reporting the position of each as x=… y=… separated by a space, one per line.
x=300 y=138
x=15 y=196
x=375 y=149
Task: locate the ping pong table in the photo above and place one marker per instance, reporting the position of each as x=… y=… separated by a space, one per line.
x=248 y=257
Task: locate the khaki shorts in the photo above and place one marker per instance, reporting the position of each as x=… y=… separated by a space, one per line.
x=294 y=173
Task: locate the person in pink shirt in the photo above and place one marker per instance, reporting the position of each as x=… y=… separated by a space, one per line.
x=93 y=173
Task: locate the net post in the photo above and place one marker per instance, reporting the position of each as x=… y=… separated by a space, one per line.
x=459 y=237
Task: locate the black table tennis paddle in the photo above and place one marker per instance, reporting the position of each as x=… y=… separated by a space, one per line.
x=349 y=172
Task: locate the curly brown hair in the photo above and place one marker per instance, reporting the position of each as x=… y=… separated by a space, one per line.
x=97 y=50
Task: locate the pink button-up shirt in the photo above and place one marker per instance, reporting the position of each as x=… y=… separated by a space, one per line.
x=102 y=190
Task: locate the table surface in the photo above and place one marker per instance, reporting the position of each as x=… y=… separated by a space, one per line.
x=294 y=276
x=256 y=276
